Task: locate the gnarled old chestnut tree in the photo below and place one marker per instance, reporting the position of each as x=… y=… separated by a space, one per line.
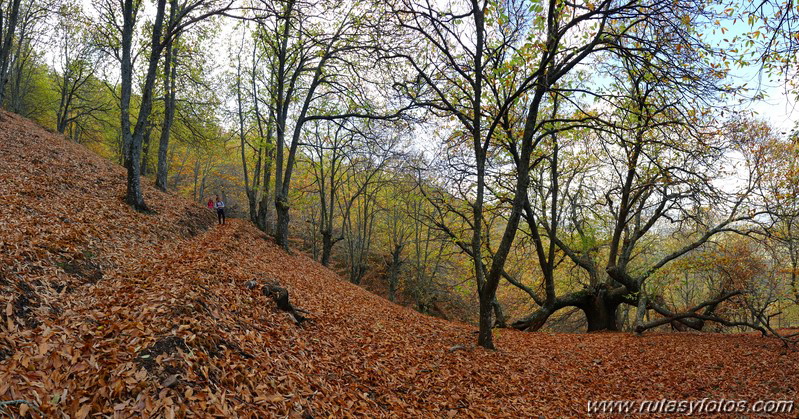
x=651 y=164
x=496 y=69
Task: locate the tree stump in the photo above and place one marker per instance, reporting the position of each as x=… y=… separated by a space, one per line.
x=280 y=295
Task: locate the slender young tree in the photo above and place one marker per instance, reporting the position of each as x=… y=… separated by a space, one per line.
x=76 y=66
x=170 y=76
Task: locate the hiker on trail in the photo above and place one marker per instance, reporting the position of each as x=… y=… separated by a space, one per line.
x=220 y=210
x=210 y=204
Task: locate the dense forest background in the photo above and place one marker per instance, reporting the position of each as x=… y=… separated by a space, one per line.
x=528 y=164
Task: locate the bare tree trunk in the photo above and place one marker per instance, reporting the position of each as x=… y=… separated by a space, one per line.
x=62 y=114
x=146 y=149
x=170 y=73
x=264 y=217
x=194 y=195
x=126 y=68
x=601 y=314
x=393 y=272
x=134 y=196
x=485 y=337
x=640 y=312
x=201 y=194
x=18 y=66
x=265 y=206
x=250 y=190
x=794 y=262
x=282 y=227
x=327 y=246
x=7 y=30
x=501 y=321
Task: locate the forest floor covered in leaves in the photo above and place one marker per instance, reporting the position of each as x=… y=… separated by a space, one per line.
x=107 y=311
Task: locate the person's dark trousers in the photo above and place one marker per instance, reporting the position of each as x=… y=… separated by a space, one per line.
x=220 y=214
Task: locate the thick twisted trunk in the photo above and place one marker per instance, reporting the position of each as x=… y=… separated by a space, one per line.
x=599 y=305
x=600 y=312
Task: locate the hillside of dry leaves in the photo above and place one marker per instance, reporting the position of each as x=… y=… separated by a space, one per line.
x=108 y=312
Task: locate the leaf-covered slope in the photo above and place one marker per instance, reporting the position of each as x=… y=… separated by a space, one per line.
x=104 y=310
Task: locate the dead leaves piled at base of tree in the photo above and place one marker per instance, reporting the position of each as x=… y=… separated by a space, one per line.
x=107 y=311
